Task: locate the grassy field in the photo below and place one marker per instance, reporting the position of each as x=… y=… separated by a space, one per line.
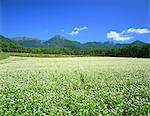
x=3 y=55
x=74 y=86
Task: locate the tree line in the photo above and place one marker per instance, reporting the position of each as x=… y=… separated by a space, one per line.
x=129 y=51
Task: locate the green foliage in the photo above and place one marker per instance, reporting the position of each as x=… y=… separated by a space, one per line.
x=75 y=86
x=41 y=55
x=7 y=45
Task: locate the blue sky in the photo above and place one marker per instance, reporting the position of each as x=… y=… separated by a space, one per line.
x=80 y=20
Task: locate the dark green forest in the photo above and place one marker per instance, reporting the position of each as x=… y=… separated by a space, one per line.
x=136 y=49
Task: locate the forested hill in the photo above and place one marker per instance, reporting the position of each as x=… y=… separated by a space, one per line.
x=62 y=46
x=60 y=42
x=56 y=42
x=7 y=45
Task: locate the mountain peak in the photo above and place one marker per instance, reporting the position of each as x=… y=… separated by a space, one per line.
x=137 y=43
x=58 y=37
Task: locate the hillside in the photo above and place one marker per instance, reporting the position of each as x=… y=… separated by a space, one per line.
x=62 y=42
x=7 y=44
x=135 y=43
x=29 y=42
x=94 y=45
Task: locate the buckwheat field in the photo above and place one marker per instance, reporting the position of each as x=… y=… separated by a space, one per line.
x=74 y=86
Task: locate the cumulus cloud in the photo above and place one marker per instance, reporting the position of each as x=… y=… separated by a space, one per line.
x=138 y=30
x=77 y=30
x=124 y=35
x=118 y=36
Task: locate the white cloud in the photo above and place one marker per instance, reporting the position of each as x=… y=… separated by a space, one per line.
x=77 y=30
x=124 y=35
x=138 y=30
x=118 y=36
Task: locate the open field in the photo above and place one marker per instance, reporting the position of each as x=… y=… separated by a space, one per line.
x=3 y=55
x=74 y=86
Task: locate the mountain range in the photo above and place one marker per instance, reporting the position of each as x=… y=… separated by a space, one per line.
x=61 y=42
